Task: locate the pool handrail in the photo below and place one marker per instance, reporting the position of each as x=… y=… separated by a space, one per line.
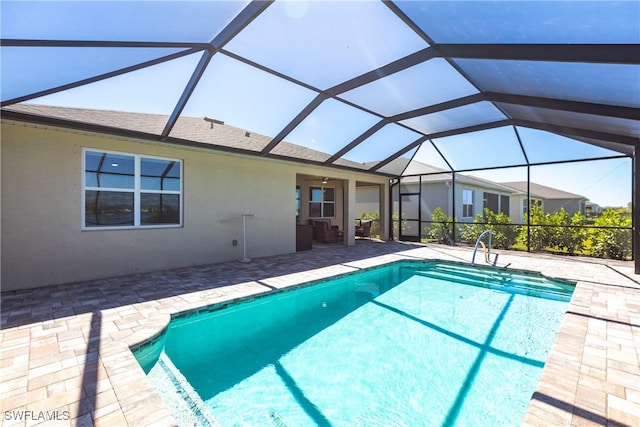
x=487 y=249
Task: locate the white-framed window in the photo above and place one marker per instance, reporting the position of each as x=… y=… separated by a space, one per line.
x=322 y=202
x=121 y=190
x=467 y=203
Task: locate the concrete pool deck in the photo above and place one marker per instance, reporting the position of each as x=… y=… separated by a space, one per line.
x=65 y=359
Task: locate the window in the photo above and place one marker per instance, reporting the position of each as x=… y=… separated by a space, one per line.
x=130 y=191
x=467 y=203
x=491 y=202
x=322 y=202
x=504 y=204
x=496 y=203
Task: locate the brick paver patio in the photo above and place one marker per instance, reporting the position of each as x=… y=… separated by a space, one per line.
x=65 y=359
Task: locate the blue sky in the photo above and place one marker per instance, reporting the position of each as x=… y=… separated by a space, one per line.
x=364 y=35
x=605 y=182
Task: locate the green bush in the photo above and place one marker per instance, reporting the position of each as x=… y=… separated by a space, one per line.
x=504 y=232
x=566 y=236
x=611 y=242
x=559 y=232
x=539 y=235
x=555 y=232
x=441 y=228
x=397 y=224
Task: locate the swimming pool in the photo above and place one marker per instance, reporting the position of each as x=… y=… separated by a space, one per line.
x=411 y=343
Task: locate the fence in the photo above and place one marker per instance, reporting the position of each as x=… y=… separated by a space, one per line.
x=613 y=242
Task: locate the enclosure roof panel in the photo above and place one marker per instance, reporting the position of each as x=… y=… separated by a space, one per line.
x=364 y=85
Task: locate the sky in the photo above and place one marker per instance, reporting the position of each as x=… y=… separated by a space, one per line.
x=604 y=182
x=321 y=56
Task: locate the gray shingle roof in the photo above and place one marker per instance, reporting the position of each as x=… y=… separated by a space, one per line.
x=194 y=129
x=542 y=191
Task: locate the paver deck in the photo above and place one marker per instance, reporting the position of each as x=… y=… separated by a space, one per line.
x=65 y=358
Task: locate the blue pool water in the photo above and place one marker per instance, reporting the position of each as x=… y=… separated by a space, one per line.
x=413 y=343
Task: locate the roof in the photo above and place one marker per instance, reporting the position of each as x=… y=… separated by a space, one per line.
x=366 y=83
x=200 y=130
x=542 y=191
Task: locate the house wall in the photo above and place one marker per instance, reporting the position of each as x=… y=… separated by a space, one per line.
x=367 y=200
x=42 y=240
x=571 y=206
x=434 y=195
x=516 y=208
x=439 y=194
x=479 y=194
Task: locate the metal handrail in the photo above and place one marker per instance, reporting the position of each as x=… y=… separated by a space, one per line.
x=487 y=249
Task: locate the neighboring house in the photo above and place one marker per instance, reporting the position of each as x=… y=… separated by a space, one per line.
x=84 y=199
x=472 y=195
x=550 y=199
x=593 y=209
x=434 y=189
x=416 y=197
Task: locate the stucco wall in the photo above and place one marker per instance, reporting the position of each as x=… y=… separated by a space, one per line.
x=515 y=208
x=367 y=200
x=571 y=206
x=42 y=240
x=435 y=195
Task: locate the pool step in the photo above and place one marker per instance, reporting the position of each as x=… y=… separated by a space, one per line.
x=177 y=394
x=498 y=280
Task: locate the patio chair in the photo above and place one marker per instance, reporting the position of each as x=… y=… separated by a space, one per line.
x=364 y=229
x=323 y=231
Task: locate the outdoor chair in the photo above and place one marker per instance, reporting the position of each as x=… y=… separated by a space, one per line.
x=323 y=231
x=364 y=229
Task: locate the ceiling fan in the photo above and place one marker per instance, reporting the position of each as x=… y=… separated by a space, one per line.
x=322 y=179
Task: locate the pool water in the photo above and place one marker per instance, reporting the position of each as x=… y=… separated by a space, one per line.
x=413 y=343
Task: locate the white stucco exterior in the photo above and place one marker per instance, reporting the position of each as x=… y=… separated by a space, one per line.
x=42 y=238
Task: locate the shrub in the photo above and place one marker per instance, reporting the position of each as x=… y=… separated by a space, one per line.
x=611 y=242
x=440 y=229
x=539 y=235
x=397 y=224
x=565 y=233
x=504 y=232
